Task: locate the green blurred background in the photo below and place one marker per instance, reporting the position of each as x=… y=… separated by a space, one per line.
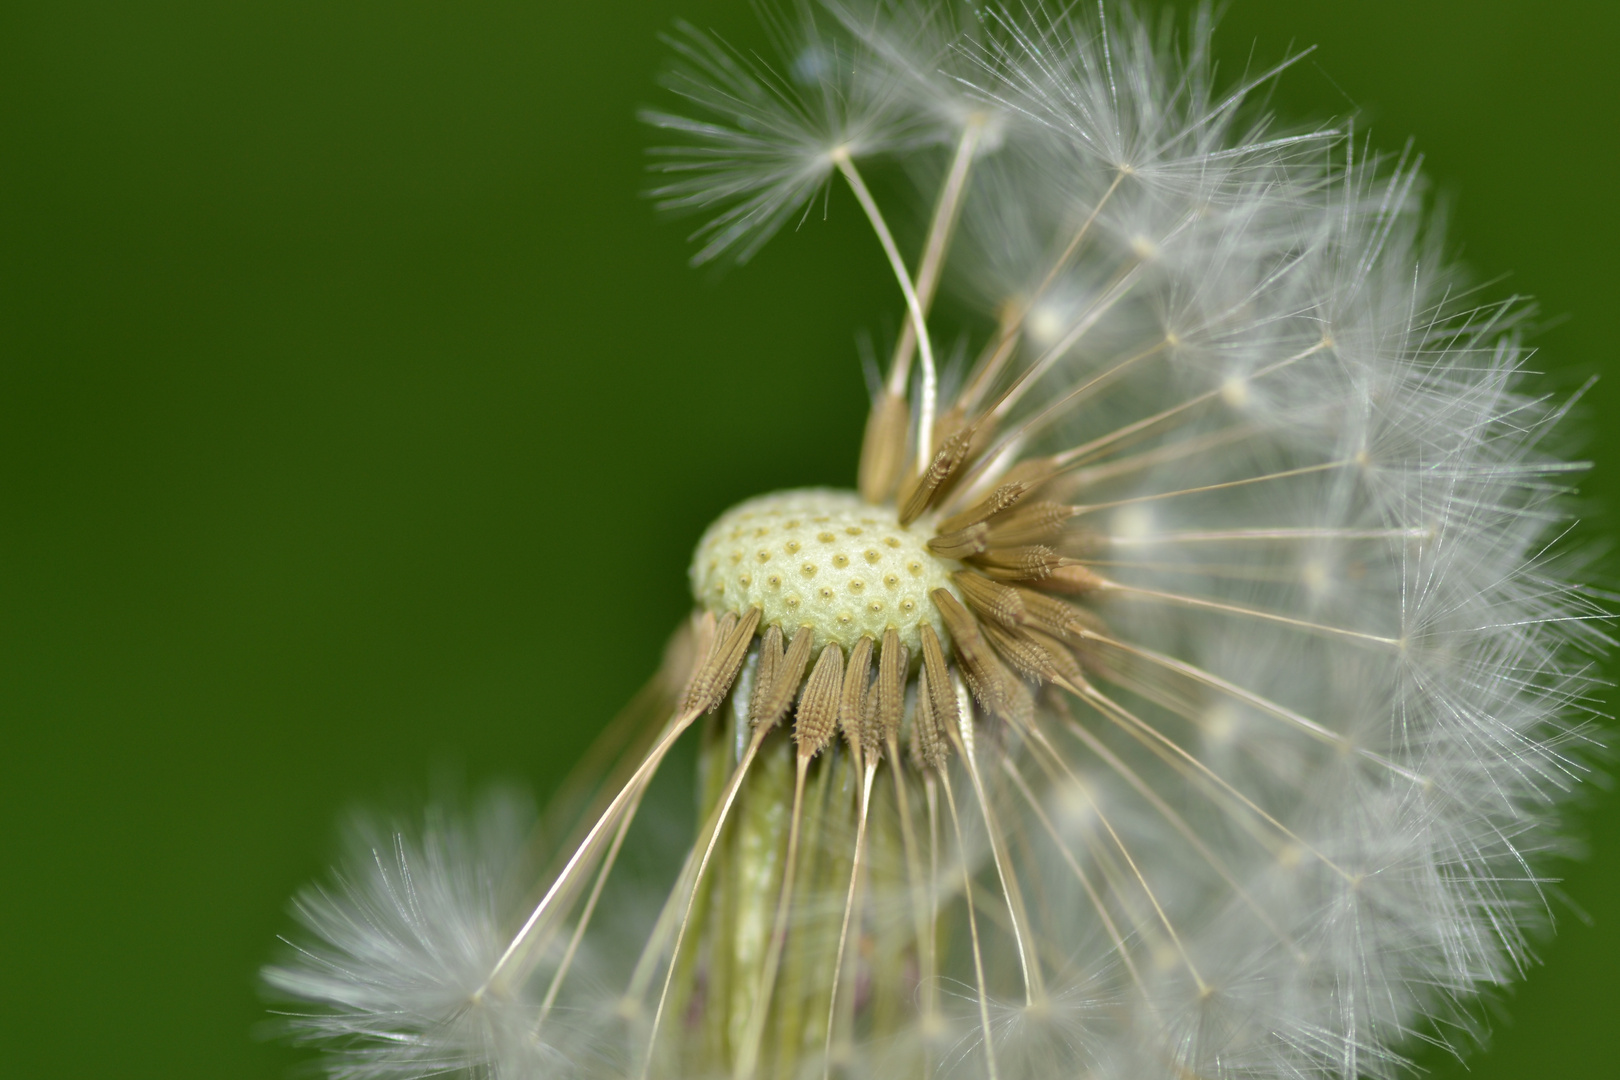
x=357 y=415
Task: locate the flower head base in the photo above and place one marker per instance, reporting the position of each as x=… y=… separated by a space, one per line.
x=1184 y=690
x=824 y=560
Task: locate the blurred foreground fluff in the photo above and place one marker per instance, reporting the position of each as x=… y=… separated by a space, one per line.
x=1187 y=690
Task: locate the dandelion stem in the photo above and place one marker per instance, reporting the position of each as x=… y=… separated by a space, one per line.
x=722 y=812
x=748 y=1054
x=805 y=945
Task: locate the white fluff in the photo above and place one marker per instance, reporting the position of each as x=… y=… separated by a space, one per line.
x=1358 y=676
x=402 y=940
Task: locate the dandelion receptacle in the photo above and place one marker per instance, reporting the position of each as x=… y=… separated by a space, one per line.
x=1184 y=687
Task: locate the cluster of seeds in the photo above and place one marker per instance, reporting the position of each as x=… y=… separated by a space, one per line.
x=825 y=574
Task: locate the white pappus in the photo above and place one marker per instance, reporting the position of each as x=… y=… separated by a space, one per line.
x=1190 y=684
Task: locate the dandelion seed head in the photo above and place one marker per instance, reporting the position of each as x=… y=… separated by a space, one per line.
x=1190 y=685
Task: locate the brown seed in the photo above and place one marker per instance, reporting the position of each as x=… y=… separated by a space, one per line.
x=714 y=679
x=770 y=658
x=928 y=748
x=891 y=696
x=818 y=704
x=961 y=543
x=869 y=724
x=1017 y=648
x=1021 y=705
x=1035 y=523
x=941 y=694
x=1083 y=543
x=1033 y=562
x=1004 y=497
x=1065 y=668
x=994 y=687
x=685 y=655
x=883 y=450
x=1048 y=612
x=723 y=628
x=920 y=493
x=948 y=423
x=1073 y=579
x=785 y=679
x=1036 y=655
x=990 y=599
x=852 y=703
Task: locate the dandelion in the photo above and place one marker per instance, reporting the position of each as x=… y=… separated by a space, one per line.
x=1187 y=688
